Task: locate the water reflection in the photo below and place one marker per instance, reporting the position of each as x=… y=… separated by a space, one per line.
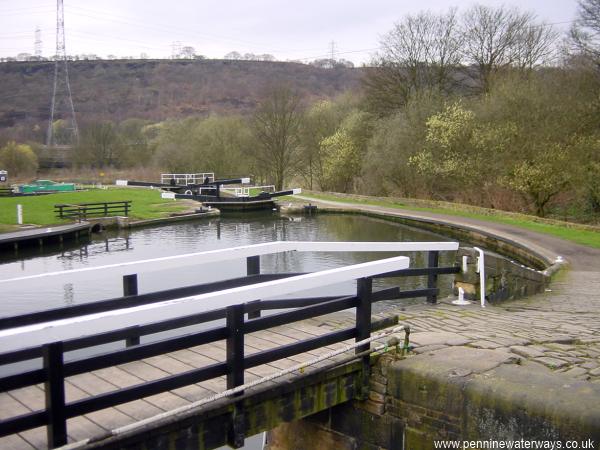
x=192 y=237
x=68 y=295
x=189 y=237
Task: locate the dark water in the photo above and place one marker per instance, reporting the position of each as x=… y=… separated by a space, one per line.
x=189 y=237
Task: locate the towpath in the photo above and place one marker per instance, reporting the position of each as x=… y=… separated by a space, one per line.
x=557 y=332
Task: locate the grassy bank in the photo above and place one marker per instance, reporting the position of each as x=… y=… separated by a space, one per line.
x=579 y=234
x=39 y=210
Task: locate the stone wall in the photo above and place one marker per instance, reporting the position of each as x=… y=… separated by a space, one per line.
x=361 y=424
x=445 y=396
x=504 y=279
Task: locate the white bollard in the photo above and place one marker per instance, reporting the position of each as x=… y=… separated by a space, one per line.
x=461 y=298
x=20 y=214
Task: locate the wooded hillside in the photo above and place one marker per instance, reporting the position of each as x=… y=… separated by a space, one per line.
x=154 y=89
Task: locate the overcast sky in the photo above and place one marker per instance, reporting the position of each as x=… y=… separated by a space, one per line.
x=302 y=29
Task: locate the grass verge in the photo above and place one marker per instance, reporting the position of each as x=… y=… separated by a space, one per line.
x=39 y=210
x=568 y=231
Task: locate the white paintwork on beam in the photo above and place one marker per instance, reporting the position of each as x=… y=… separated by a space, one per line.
x=212 y=256
x=168 y=195
x=39 y=334
x=121 y=182
x=296 y=191
x=245 y=181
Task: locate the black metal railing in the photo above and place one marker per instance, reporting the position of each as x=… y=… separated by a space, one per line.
x=82 y=211
x=236 y=326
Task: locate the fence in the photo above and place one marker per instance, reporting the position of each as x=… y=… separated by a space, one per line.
x=84 y=210
x=26 y=337
x=186 y=178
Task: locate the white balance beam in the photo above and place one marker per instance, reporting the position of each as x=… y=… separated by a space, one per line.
x=212 y=256
x=64 y=329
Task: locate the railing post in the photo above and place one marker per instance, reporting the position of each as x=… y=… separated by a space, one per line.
x=54 y=387
x=253 y=265
x=130 y=287
x=254 y=313
x=432 y=262
x=235 y=372
x=364 y=289
x=235 y=346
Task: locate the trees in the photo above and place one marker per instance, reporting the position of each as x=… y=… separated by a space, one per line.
x=418 y=55
x=99 y=146
x=498 y=38
x=221 y=145
x=135 y=147
x=321 y=120
x=276 y=128
x=343 y=151
x=214 y=144
x=188 y=52
x=425 y=54
x=18 y=159
x=450 y=158
x=542 y=177
x=395 y=139
x=585 y=32
x=233 y=55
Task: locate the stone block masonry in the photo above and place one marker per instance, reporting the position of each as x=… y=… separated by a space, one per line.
x=524 y=369
x=527 y=369
x=504 y=279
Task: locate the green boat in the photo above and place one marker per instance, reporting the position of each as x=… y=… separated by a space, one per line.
x=45 y=186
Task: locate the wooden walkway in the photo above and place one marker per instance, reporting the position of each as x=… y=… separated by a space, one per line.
x=41 y=234
x=21 y=401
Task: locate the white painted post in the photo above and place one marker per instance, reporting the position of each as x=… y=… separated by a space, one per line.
x=20 y=214
x=465 y=261
x=481 y=270
x=461 y=298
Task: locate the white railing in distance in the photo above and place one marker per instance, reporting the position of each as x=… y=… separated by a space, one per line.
x=244 y=251
x=187 y=178
x=87 y=325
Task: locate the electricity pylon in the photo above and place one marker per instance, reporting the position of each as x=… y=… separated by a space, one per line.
x=62 y=101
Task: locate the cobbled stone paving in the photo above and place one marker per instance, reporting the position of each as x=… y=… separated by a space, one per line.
x=559 y=329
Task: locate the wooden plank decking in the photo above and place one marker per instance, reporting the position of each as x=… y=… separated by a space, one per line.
x=21 y=401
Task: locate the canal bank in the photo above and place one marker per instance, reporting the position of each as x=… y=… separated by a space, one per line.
x=525 y=370
x=464 y=362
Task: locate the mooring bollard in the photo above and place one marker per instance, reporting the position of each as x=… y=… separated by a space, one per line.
x=19 y=214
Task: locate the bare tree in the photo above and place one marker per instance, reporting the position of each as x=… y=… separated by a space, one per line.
x=276 y=127
x=498 y=38
x=419 y=54
x=188 y=52
x=535 y=45
x=233 y=55
x=585 y=32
